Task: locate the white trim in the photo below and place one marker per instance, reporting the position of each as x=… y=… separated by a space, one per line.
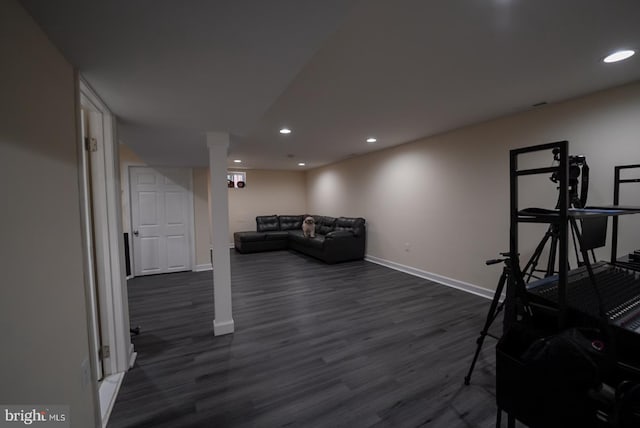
x=112 y=291
x=203 y=267
x=126 y=207
x=88 y=252
x=449 y=282
x=87 y=255
x=107 y=277
x=132 y=357
x=120 y=307
x=226 y=327
x=192 y=220
x=109 y=388
x=87 y=91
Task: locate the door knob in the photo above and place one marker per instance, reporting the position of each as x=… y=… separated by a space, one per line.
x=135 y=232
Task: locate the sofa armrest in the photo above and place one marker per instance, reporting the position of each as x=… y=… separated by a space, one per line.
x=338 y=234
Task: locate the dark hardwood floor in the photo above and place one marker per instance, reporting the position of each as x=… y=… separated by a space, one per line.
x=316 y=345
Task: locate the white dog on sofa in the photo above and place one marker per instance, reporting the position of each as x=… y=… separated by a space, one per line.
x=309 y=227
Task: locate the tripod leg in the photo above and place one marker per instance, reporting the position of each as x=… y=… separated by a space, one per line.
x=551 y=263
x=490 y=317
x=532 y=264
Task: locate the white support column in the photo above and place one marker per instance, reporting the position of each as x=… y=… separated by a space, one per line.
x=218 y=143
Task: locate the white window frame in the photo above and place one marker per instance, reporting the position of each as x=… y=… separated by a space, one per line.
x=237 y=176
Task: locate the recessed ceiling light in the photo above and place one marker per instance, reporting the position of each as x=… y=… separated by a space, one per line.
x=371 y=140
x=619 y=56
x=237 y=161
x=285 y=131
x=301 y=164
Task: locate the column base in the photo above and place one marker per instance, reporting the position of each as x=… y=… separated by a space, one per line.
x=224 y=327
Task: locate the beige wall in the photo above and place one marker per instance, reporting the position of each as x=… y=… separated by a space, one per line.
x=202 y=216
x=128 y=156
x=44 y=332
x=200 y=202
x=267 y=192
x=441 y=204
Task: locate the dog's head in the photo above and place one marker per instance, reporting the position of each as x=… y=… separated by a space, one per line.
x=309 y=220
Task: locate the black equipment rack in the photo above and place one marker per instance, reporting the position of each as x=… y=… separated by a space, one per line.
x=517 y=304
x=616 y=201
x=563 y=216
x=559 y=217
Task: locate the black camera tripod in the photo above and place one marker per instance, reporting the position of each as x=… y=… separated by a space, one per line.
x=577 y=166
x=494 y=310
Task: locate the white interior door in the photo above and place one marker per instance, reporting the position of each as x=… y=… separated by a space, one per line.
x=161 y=219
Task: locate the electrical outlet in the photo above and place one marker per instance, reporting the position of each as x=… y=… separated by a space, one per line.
x=407 y=246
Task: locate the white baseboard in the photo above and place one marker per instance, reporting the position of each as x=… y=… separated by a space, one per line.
x=108 y=391
x=202 y=267
x=449 y=282
x=132 y=357
x=225 y=327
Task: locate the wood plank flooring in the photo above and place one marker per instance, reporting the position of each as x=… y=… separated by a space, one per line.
x=316 y=345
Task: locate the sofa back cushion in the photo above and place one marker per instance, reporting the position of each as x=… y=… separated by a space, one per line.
x=267 y=223
x=291 y=222
x=324 y=225
x=353 y=224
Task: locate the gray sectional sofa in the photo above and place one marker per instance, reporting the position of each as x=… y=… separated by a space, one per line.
x=337 y=239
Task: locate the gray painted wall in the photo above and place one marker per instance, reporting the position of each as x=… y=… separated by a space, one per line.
x=43 y=334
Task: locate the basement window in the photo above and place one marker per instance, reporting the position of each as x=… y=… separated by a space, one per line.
x=236 y=179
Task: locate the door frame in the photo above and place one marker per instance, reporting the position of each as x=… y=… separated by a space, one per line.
x=109 y=245
x=191 y=236
x=86 y=212
x=126 y=207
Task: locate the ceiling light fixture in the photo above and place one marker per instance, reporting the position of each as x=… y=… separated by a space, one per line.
x=619 y=56
x=371 y=140
x=285 y=131
x=237 y=161
x=301 y=164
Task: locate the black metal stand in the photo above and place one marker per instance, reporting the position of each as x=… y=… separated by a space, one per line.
x=616 y=201
x=553 y=234
x=494 y=310
x=532 y=265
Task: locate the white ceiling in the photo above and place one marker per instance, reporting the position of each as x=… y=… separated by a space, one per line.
x=334 y=71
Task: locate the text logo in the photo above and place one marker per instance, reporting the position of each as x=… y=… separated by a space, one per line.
x=34 y=415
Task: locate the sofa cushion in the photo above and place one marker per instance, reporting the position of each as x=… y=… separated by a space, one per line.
x=270 y=236
x=353 y=224
x=267 y=223
x=299 y=238
x=290 y=222
x=249 y=236
x=325 y=225
x=339 y=234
